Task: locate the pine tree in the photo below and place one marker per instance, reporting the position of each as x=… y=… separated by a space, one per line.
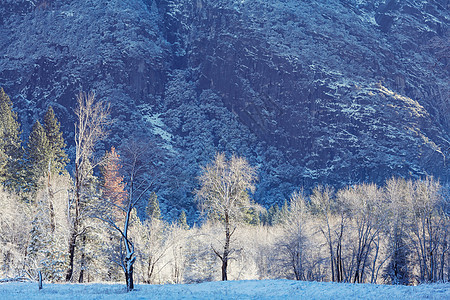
x=284 y=213
x=46 y=246
x=56 y=141
x=36 y=243
x=11 y=170
x=3 y=163
x=38 y=156
x=251 y=216
x=182 y=222
x=273 y=215
x=153 y=211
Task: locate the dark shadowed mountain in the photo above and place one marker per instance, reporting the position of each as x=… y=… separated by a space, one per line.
x=312 y=92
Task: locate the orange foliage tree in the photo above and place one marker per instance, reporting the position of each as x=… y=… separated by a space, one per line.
x=113 y=187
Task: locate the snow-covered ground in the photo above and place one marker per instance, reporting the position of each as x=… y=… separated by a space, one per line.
x=252 y=289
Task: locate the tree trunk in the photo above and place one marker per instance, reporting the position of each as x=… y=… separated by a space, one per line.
x=296 y=264
x=74 y=233
x=72 y=241
x=82 y=260
x=129 y=274
x=81 y=277
x=339 y=276
x=224 y=270
x=40 y=280
x=50 y=201
x=226 y=248
x=150 y=269
x=330 y=247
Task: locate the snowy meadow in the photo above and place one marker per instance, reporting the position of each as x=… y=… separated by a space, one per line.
x=244 y=289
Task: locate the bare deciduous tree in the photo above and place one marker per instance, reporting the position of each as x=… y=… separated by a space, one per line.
x=428 y=229
x=396 y=193
x=294 y=242
x=332 y=217
x=224 y=195
x=15 y=225
x=135 y=170
x=91 y=128
x=366 y=214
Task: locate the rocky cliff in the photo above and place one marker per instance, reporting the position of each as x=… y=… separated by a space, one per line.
x=331 y=92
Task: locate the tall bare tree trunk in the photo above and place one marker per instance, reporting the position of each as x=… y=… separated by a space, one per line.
x=83 y=259
x=72 y=242
x=89 y=130
x=74 y=229
x=330 y=247
x=129 y=261
x=226 y=248
x=50 y=200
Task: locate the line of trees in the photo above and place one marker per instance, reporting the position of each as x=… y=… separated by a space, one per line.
x=83 y=228
x=396 y=234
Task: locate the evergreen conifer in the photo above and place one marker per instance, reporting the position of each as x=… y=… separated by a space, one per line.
x=273 y=215
x=11 y=170
x=182 y=222
x=284 y=212
x=38 y=155
x=56 y=141
x=153 y=211
x=251 y=216
x=46 y=245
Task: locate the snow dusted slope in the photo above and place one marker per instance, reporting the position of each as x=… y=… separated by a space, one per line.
x=254 y=289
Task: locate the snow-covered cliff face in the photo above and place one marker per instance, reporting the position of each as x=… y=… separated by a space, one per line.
x=330 y=92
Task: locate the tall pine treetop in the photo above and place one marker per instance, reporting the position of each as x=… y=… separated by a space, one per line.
x=182 y=222
x=38 y=155
x=38 y=145
x=11 y=151
x=9 y=127
x=153 y=211
x=56 y=141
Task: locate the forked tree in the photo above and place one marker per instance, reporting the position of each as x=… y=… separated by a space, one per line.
x=135 y=169
x=224 y=196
